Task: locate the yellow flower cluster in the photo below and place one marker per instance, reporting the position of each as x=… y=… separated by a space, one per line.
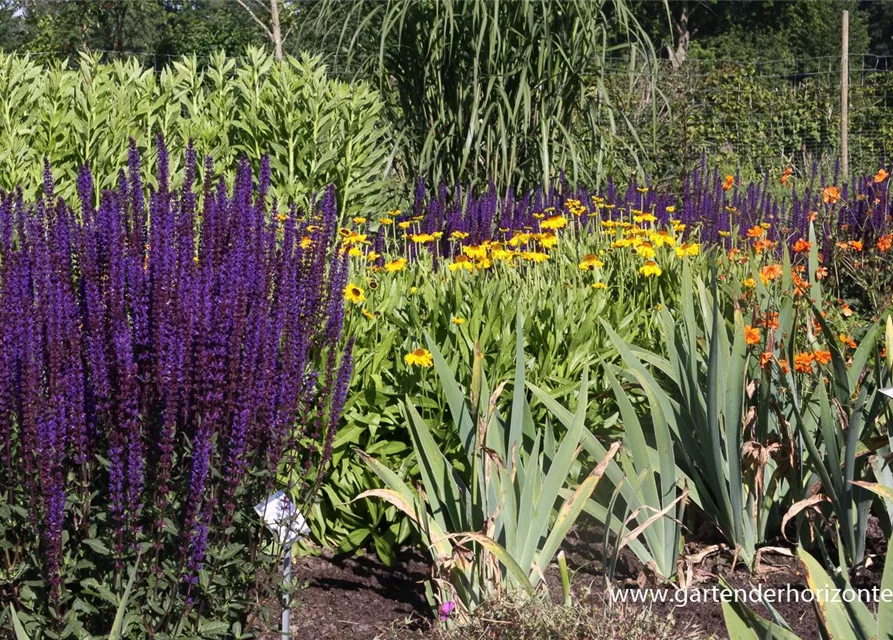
x=575 y=207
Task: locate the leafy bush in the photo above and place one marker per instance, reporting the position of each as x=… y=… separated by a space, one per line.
x=319 y=131
x=159 y=366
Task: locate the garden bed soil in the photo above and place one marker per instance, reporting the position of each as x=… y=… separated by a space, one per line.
x=359 y=598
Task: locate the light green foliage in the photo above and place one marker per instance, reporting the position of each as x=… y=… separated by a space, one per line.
x=645 y=477
x=490 y=524
x=316 y=130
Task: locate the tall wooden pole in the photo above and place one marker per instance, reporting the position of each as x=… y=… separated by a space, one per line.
x=845 y=97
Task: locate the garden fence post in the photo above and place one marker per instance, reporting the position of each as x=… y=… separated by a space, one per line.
x=845 y=96
x=286 y=580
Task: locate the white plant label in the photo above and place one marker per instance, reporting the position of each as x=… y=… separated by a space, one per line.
x=888 y=392
x=282 y=518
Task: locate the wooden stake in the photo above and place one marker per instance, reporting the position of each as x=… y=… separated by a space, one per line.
x=845 y=97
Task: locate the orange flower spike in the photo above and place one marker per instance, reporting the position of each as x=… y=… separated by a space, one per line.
x=884 y=243
x=803 y=362
x=755 y=232
x=785 y=367
x=801 y=246
x=728 y=183
x=762 y=245
x=822 y=357
x=830 y=195
x=751 y=335
x=847 y=340
x=786 y=175
x=765 y=359
x=856 y=244
x=770 y=272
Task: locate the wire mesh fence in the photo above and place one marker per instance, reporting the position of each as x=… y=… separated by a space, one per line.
x=760 y=115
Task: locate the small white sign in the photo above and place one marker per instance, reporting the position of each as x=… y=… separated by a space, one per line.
x=888 y=392
x=282 y=518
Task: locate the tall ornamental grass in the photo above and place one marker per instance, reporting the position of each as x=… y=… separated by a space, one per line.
x=162 y=358
x=318 y=130
x=512 y=91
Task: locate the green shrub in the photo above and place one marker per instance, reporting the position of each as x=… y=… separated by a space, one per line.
x=316 y=130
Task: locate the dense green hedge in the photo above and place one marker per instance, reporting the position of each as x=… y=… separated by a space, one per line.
x=317 y=130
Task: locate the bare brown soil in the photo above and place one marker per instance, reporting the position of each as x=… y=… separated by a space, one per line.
x=359 y=598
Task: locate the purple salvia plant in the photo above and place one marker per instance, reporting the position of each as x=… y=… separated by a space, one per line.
x=158 y=348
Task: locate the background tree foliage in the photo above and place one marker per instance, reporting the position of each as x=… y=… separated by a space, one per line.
x=770 y=29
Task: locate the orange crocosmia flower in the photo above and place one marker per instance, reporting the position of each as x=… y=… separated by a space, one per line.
x=770 y=320
x=822 y=357
x=821 y=273
x=755 y=232
x=855 y=244
x=770 y=272
x=784 y=366
x=884 y=243
x=813 y=216
x=765 y=359
x=800 y=285
x=803 y=362
x=830 y=195
x=786 y=175
x=763 y=245
x=751 y=335
x=801 y=245
x=728 y=183
x=847 y=340
x=845 y=310
x=881 y=175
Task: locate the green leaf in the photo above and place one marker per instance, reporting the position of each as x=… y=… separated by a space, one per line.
x=840 y=619
x=17 y=625
x=213 y=627
x=743 y=624
x=118 y=625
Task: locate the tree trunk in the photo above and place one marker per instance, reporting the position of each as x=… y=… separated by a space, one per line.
x=276 y=28
x=678 y=55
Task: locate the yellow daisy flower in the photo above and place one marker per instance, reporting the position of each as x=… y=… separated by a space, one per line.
x=353 y=293
x=419 y=358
